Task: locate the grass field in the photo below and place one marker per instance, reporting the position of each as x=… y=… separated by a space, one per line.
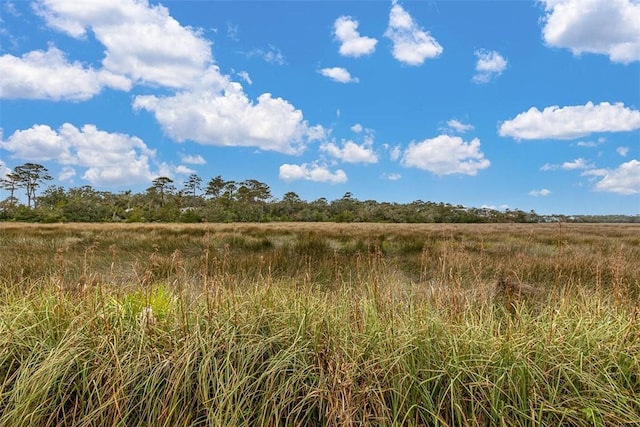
x=319 y=324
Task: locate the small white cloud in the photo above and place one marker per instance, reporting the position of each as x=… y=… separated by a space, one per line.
x=411 y=44
x=350 y=152
x=311 y=172
x=445 y=155
x=458 y=126
x=338 y=74
x=271 y=55
x=623 y=151
x=233 y=31
x=625 y=179
x=245 y=76
x=193 y=159
x=351 y=42
x=608 y=27
x=490 y=65
x=576 y=164
x=357 y=128
x=184 y=170
x=539 y=193
x=394 y=152
x=571 y=122
x=391 y=176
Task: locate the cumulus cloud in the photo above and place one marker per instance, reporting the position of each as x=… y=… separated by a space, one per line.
x=571 y=122
x=351 y=42
x=538 y=193
x=350 y=152
x=230 y=118
x=490 y=64
x=625 y=179
x=357 y=128
x=411 y=44
x=338 y=74
x=108 y=158
x=143 y=42
x=445 y=155
x=608 y=27
x=311 y=172
x=49 y=75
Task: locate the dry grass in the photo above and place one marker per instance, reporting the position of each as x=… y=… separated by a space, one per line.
x=319 y=324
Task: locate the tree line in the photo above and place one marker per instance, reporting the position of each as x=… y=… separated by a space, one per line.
x=217 y=200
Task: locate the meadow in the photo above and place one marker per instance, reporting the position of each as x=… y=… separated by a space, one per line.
x=319 y=324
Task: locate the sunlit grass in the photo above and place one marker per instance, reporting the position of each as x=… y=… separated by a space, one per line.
x=319 y=325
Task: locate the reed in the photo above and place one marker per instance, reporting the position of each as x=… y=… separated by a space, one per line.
x=309 y=324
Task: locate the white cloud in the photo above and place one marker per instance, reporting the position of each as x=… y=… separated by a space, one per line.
x=623 y=151
x=142 y=41
x=193 y=159
x=609 y=27
x=352 y=43
x=311 y=172
x=230 y=118
x=357 y=128
x=392 y=176
x=48 y=75
x=538 y=193
x=576 y=164
x=109 y=158
x=67 y=173
x=350 y=152
x=338 y=74
x=411 y=44
x=571 y=122
x=394 y=152
x=445 y=155
x=272 y=55
x=623 y=180
x=4 y=170
x=458 y=126
x=245 y=76
x=490 y=65
x=184 y=170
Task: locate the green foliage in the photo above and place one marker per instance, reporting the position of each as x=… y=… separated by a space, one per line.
x=230 y=201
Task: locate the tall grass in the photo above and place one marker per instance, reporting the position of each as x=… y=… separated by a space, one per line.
x=319 y=325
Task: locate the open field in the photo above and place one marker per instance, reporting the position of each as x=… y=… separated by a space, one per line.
x=319 y=324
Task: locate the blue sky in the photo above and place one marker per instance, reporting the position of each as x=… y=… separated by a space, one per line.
x=507 y=104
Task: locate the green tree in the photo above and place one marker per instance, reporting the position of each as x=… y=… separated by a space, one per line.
x=163 y=185
x=11 y=182
x=215 y=187
x=193 y=184
x=30 y=176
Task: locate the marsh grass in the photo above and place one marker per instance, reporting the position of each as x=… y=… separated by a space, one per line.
x=292 y=324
